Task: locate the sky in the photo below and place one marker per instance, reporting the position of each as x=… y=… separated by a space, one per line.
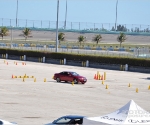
x=94 y=11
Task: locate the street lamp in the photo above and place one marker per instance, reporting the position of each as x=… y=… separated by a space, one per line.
x=11 y=37
x=65 y=16
x=17 y=13
x=57 y=26
x=116 y=14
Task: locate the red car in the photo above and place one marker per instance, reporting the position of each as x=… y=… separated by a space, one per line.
x=69 y=77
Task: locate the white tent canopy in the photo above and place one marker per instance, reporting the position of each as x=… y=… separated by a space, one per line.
x=130 y=113
x=3 y=122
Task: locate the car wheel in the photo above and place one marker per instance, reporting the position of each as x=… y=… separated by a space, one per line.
x=58 y=79
x=75 y=81
x=66 y=81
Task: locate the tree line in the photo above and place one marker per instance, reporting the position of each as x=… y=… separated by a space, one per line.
x=124 y=29
x=61 y=36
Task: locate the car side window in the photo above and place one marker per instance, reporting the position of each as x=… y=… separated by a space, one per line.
x=62 y=73
x=66 y=73
x=63 y=121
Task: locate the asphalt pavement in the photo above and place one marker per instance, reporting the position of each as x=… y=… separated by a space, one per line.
x=34 y=102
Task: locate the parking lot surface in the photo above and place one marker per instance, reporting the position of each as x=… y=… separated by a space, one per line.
x=31 y=101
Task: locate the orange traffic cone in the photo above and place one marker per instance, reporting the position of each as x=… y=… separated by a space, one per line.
x=16 y=63
x=12 y=76
x=102 y=77
x=95 y=76
x=22 y=63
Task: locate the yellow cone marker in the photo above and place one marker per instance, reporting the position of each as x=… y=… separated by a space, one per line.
x=104 y=75
x=44 y=79
x=102 y=82
x=137 y=90
x=35 y=80
x=106 y=87
x=129 y=85
x=149 y=87
x=23 y=79
x=73 y=83
x=99 y=77
x=53 y=77
x=32 y=76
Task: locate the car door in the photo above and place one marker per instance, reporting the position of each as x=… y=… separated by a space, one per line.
x=66 y=76
x=62 y=75
x=69 y=77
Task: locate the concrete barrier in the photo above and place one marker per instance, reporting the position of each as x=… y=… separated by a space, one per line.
x=78 y=63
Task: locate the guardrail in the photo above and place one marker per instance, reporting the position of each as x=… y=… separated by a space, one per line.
x=106 y=51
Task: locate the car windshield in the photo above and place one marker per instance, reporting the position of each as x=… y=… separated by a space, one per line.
x=74 y=74
x=63 y=120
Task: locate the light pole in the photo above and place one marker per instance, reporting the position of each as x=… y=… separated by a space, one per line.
x=17 y=13
x=57 y=26
x=65 y=16
x=116 y=14
x=11 y=38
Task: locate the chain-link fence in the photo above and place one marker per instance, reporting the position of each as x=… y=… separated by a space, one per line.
x=79 y=26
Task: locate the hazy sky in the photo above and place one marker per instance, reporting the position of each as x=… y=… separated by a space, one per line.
x=96 y=11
